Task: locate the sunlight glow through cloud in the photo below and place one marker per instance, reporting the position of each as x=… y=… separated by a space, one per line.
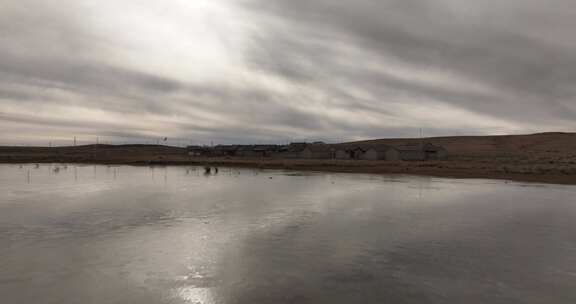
x=196 y=40
x=241 y=71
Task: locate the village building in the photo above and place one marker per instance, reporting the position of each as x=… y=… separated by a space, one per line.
x=293 y=150
x=405 y=152
x=225 y=150
x=342 y=153
x=381 y=152
x=245 y=151
x=411 y=152
x=265 y=150
x=357 y=153
x=197 y=151
x=257 y=151
x=317 y=151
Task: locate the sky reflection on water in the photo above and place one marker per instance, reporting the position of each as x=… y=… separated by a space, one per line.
x=98 y=234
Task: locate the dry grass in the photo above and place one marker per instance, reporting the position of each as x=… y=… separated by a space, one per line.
x=548 y=157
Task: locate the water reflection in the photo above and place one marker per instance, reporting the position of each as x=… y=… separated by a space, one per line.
x=99 y=234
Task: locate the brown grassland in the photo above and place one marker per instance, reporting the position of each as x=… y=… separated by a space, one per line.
x=545 y=157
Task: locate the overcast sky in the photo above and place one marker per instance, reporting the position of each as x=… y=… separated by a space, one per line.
x=228 y=71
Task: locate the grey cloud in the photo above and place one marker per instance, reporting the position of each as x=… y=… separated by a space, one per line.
x=531 y=73
x=47 y=46
x=97 y=78
x=333 y=54
x=40 y=63
x=63 y=123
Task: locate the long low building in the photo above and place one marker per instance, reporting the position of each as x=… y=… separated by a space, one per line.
x=381 y=152
x=404 y=152
x=318 y=151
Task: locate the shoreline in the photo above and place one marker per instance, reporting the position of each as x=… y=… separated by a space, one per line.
x=540 y=158
x=441 y=169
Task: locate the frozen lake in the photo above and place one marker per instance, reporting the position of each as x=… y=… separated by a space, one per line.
x=101 y=234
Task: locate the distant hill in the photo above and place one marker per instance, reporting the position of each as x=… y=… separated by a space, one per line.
x=544 y=157
x=542 y=148
x=541 y=143
x=91 y=153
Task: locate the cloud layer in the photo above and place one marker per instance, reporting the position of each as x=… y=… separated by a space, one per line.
x=273 y=71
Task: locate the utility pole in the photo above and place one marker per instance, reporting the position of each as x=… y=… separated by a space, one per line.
x=74 y=141
x=421 y=138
